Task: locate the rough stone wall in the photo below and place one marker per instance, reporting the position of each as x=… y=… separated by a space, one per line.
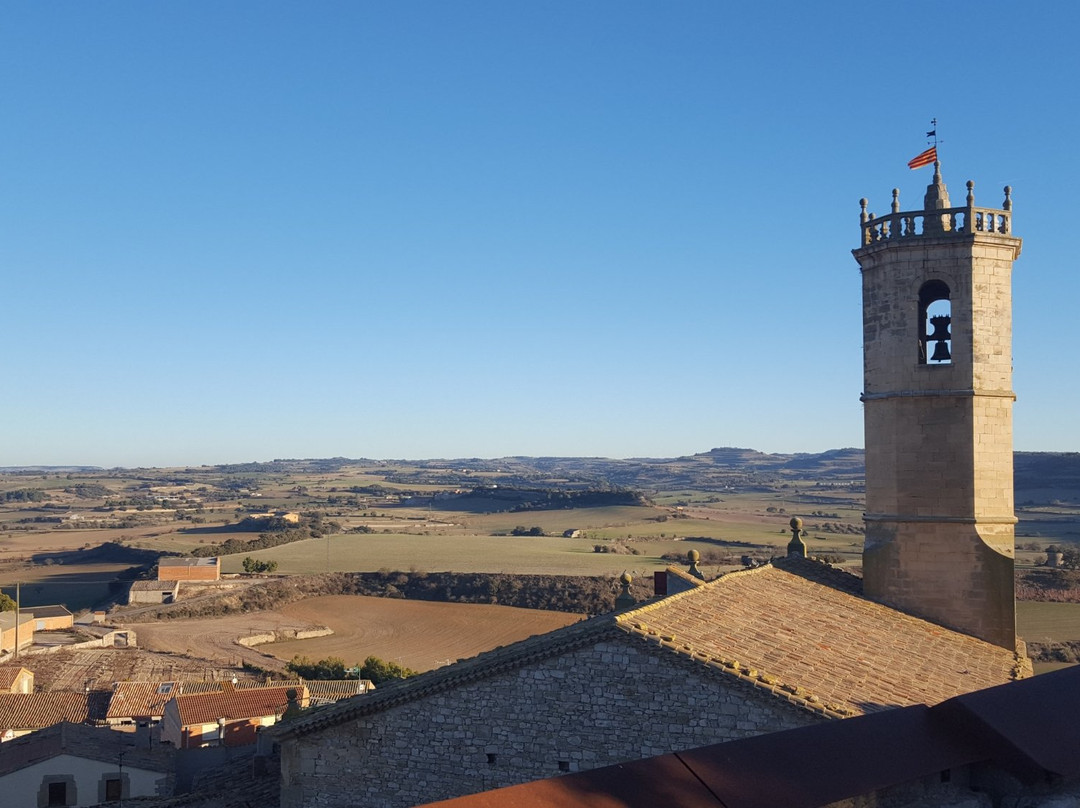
x=614 y=701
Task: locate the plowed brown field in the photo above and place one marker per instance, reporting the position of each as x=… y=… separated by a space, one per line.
x=418 y=634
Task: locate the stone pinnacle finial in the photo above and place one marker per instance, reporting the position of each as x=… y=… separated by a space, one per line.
x=971 y=193
x=625 y=599
x=895 y=200
x=796 y=547
x=693 y=556
x=1008 y=198
x=937 y=195
x=864 y=216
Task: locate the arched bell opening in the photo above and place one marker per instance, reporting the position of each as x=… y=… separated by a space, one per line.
x=935 y=320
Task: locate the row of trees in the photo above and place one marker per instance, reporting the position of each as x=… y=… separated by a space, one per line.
x=375 y=669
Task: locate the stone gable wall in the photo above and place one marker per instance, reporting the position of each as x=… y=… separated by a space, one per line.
x=614 y=701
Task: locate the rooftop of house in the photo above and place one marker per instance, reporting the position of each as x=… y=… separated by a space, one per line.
x=54 y=610
x=1026 y=729
x=154 y=586
x=185 y=561
x=7 y=620
x=146 y=699
x=79 y=740
x=256 y=702
x=797 y=629
x=9 y=674
x=20 y=711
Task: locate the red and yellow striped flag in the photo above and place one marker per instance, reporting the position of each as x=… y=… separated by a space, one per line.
x=926 y=158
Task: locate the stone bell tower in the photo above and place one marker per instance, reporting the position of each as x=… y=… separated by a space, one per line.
x=937 y=393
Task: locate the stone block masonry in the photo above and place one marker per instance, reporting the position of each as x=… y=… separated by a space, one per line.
x=613 y=701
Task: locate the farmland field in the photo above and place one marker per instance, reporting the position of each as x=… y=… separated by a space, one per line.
x=508 y=554
x=1048 y=622
x=418 y=634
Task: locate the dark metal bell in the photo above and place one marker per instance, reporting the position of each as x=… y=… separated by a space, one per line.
x=941 y=352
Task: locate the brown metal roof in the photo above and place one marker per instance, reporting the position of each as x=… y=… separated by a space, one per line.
x=1037 y=725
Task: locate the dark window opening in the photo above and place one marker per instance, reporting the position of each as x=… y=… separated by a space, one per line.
x=58 y=793
x=564 y=765
x=935 y=320
x=946 y=775
x=492 y=757
x=114 y=789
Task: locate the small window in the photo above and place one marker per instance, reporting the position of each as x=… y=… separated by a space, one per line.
x=492 y=757
x=114 y=789
x=58 y=793
x=564 y=765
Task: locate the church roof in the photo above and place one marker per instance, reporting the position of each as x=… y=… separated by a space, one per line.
x=802 y=629
x=796 y=629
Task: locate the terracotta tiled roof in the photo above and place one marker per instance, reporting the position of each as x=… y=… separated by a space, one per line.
x=148 y=699
x=206 y=708
x=145 y=699
x=19 y=711
x=9 y=674
x=336 y=689
x=802 y=630
x=79 y=740
x=799 y=630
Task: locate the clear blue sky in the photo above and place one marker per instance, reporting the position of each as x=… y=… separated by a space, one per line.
x=235 y=231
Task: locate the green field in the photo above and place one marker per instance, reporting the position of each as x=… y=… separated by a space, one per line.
x=508 y=554
x=1048 y=622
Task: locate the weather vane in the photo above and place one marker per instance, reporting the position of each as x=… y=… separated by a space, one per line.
x=930 y=155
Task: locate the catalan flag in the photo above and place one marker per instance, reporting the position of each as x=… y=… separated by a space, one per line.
x=926 y=158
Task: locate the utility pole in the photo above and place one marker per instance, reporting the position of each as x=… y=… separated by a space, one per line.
x=18 y=608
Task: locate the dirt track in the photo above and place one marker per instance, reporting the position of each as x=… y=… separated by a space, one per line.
x=418 y=634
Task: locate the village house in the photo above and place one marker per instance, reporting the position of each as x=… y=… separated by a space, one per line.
x=50 y=618
x=9 y=632
x=143 y=703
x=227 y=717
x=72 y=765
x=154 y=591
x=134 y=704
